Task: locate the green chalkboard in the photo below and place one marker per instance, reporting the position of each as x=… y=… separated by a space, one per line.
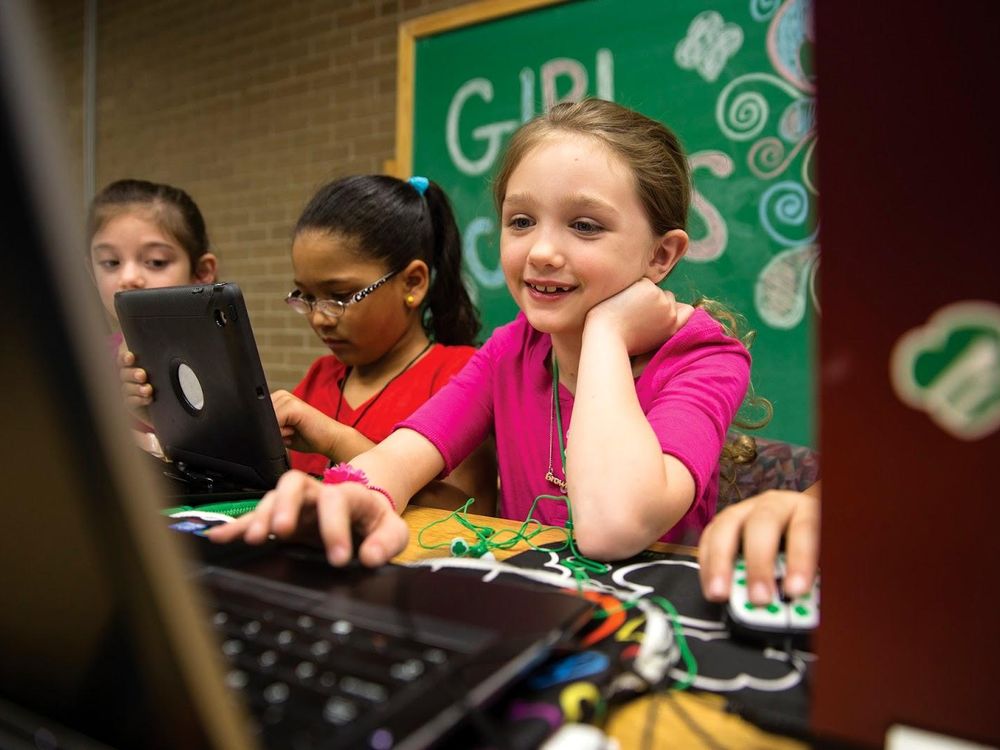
x=733 y=79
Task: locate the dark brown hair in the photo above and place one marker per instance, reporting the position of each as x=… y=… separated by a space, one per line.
x=169 y=207
x=390 y=221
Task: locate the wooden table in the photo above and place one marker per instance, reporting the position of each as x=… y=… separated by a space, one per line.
x=418 y=518
x=677 y=720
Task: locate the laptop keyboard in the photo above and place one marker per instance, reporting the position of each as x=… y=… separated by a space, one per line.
x=311 y=681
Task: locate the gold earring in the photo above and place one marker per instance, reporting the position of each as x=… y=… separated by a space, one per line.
x=410 y=299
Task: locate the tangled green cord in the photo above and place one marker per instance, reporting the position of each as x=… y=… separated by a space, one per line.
x=488 y=538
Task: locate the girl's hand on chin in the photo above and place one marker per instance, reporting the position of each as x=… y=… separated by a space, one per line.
x=642 y=314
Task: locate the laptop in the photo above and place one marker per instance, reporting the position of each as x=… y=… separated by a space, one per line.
x=109 y=633
x=211 y=405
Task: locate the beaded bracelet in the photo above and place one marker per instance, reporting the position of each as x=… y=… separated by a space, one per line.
x=342 y=472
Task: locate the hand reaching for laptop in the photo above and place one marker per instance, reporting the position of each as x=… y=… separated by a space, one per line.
x=303 y=509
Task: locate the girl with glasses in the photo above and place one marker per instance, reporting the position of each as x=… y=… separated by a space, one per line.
x=377 y=272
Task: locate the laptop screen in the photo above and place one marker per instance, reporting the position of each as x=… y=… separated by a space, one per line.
x=83 y=561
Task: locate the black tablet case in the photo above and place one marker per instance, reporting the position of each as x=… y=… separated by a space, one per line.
x=233 y=439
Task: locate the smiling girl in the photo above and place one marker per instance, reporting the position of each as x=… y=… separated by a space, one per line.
x=603 y=389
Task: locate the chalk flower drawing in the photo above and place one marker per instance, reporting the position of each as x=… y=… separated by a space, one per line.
x=743 y=114
x=709 y=44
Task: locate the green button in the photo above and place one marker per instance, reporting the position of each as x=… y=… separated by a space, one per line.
x=751 y=606
x=773 y=608
x=801 y=611
x=741 y=581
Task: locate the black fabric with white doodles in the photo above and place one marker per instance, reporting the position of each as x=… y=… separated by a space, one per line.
x=608 y=665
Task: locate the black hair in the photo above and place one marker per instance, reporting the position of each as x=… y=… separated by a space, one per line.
x=173 y=209
x=391 y=222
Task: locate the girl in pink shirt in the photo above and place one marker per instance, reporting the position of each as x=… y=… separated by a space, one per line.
x=604 y=389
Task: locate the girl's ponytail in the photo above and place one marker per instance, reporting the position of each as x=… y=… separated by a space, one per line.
x=451 y=317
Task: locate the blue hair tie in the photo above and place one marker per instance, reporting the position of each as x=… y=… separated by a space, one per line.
x=419 y=184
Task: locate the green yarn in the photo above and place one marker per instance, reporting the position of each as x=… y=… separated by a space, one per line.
x=689 y=661
x=488 y=538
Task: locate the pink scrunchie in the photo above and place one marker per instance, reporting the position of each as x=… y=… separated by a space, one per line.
x=340 y=473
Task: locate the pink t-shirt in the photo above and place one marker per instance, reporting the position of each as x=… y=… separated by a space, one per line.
x=689 y=392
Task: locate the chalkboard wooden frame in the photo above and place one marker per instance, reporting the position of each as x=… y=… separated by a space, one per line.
x=429 y=25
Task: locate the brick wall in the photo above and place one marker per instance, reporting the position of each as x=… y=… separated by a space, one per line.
x=249 y=106
x=61 y=25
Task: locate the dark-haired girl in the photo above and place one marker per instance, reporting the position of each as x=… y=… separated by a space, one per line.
x=377 y=264
x=144 y=235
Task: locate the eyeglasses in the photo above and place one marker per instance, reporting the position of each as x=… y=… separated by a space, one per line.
x=332 y=308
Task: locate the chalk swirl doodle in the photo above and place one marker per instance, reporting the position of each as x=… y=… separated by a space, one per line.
x=809 y=169
x=741 y=112
x=789 y=204
x=783 y=284
x=790 y=28
x=786 y=284
x=489 y=278
x=813 y=275
x=769 y=158
x=713 y=244
x=798 y=119
x=761 y=10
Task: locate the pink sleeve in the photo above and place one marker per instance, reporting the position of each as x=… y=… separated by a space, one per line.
x=459 y=417
x=693 y=407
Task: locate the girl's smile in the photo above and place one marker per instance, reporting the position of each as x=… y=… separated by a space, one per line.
x=548 y=290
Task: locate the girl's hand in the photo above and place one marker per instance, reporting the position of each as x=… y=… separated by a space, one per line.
x=136 y=390
x=301 y=507
x=642 y=314
x=760 y=522
x=303 y=427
